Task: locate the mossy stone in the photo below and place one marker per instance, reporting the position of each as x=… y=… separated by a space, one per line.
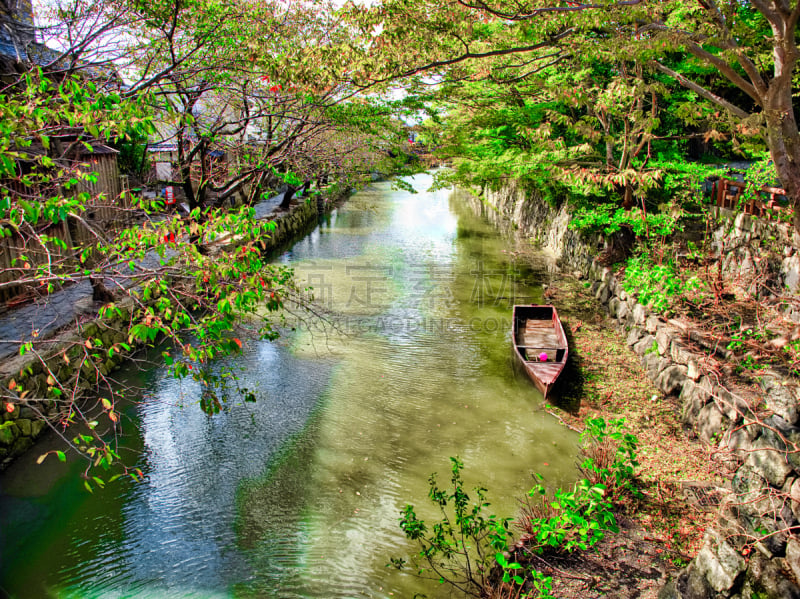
x=21 y=445
x=24 y=427
x=7 y=436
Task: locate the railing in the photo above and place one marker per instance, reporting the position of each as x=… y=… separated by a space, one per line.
x=767 y=202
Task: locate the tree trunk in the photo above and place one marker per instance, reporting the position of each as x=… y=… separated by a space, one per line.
x=784 y=144
x=287 y=196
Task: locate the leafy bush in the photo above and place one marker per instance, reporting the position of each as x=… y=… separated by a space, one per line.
x=608 y=219
x=657 y=284
x=572 y=520
x=609 y=456
x=468 y=549
x=460 y=548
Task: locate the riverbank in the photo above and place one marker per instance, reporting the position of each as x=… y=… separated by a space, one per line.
x=60 y=325
x=663 y=530
x=738 y=407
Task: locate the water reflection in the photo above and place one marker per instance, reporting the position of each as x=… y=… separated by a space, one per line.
x=298 y=494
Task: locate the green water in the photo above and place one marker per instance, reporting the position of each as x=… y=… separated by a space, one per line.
x=299 y=494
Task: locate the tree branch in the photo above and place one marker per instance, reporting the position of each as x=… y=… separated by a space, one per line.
x=701 y=91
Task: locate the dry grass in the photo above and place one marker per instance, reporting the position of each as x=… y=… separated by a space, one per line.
x=611 y=383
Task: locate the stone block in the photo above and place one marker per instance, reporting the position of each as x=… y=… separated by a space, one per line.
x=693 y=369
x=664 y=340
x=37 y=426
x=781 y=396
x=710 y=424
x=28 y=413
x=614 y=286
x=737 y=440
x=644 y=345
x=613 y=306
x=693 y=398
x=768 y=581
x=679 y=353
x=633 y=336
x=769 y=463
x=671 y=379
x=21 y=445
x=732 y=405
x=793 y=556
x=7 y=436
x=790 y=269
x=623 y=312
x=603 y=293
x=24 y=426
x=651 y=362
x=719 y=563
x=652 y=324
x=639 y=314
x=783 y=436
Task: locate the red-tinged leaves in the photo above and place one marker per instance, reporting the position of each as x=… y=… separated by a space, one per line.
x=9 y=407
x=238 y=342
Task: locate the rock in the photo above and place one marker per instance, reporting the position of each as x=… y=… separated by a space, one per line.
x=775 y=431
x=623 y=312
x=633 y=336
x=7 y=435
x=669 y=591
x=760 y=510
x=782 y=402
x=769 y=463
x=693 y=398
x=694 y=370
x=21 y=445
x=671 y=379
x=793 y=556
x=602 y=294
x=37 y=427
x=679 y=353
x=733 y=406
x=693 y=584
x=652 y=324
x=639 y=314
x=767 y=581
x=651 y=362
x=792 y=488
x=664 y=340
x=719 y=563
x=613 y=306
x=710 y=424
x=790 y=269
x=24 y=426
x=737 y=440
x=644 y=345
x=781 y=397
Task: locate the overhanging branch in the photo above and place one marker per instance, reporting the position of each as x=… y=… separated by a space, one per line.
x=701 y=91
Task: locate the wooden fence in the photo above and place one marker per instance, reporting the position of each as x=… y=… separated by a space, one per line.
x=766 y=202
x=107 y=210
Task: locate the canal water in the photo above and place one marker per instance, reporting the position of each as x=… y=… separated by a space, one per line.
x=299 y=493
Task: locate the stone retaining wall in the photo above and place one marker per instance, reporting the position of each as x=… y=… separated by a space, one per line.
x=36 y=377
x=755 y=431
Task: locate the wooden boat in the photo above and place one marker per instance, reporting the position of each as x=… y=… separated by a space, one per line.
x=539 y=344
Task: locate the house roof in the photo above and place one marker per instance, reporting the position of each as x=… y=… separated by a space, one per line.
x=162 y=146
x=97 y=148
